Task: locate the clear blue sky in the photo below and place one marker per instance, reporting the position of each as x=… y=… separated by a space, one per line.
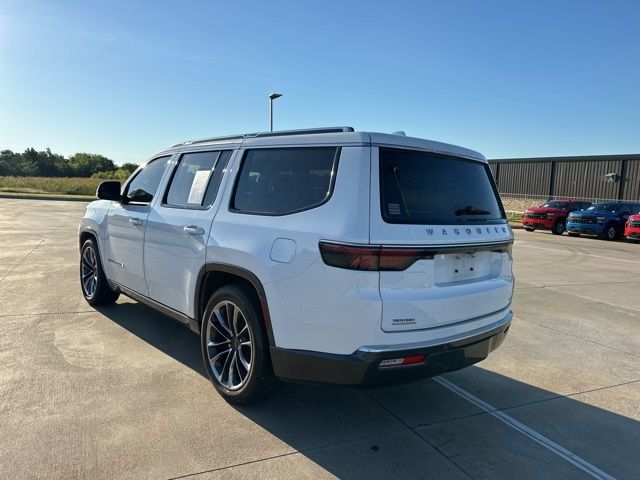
x=127 y=78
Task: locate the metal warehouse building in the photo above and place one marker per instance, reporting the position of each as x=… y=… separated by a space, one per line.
x=590 y=177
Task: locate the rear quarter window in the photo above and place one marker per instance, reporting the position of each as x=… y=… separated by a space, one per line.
x=429 y=188
x=280 y=181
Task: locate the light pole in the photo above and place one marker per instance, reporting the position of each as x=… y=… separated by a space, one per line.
x=272 y=97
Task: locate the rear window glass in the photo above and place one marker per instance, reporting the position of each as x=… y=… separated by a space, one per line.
x=285 y=180
x=427 y=188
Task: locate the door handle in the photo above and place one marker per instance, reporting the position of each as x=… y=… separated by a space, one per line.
x=193 y=230
x=136 y=222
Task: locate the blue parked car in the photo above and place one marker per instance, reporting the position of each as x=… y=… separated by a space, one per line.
x=604 y=219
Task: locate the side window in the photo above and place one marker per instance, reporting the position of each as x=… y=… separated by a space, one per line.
x=144 y=185
x=194 y=178
x=280 y=181
x=216 y=178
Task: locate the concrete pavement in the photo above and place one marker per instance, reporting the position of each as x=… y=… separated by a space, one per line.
x=120 y=392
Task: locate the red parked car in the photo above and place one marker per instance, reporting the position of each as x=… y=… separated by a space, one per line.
x=551 y=215
x=632 y=229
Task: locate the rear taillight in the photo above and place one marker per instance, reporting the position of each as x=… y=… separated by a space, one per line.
x=402 y=258
x=371 y=258
x=374 y=258
x=350 y=257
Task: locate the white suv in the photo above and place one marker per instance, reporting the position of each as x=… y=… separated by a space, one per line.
x=324 y=255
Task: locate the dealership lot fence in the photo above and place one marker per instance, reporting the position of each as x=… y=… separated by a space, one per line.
x=594 y=178
x=518 y=202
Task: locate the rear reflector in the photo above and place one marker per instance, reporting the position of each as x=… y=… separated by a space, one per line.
x=395 y=362
x=413 y=359
x=371 y=258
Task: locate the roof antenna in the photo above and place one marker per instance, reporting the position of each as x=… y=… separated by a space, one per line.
x=399 y=132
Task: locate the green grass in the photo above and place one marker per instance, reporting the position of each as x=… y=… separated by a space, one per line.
x=49 y=185
x=514 y=217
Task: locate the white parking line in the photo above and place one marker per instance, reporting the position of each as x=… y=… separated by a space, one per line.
x=550 y=445
x=578 y=253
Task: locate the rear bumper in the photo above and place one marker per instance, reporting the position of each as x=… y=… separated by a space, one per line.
x=361 y=368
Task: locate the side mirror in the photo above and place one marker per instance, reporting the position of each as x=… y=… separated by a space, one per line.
x=109 y=190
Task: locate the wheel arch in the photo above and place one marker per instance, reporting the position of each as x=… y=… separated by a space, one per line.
x=213 y=275
x=84 y=235
x=87 y=233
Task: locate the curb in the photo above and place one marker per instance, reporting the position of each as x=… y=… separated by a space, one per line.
x=36 y=196
x=516 y=226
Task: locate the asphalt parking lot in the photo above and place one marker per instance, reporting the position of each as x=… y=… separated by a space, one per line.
x=120 y=392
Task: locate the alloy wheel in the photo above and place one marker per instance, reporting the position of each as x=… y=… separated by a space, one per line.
x=89 y=272
x=229 y=345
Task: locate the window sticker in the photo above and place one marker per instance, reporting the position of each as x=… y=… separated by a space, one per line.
x=394 y=208
x=199 y=186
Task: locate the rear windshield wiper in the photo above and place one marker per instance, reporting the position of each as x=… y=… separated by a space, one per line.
x=471 y=210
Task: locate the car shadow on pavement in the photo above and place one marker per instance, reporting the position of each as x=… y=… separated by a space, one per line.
x=167 y=335
x=420 y=429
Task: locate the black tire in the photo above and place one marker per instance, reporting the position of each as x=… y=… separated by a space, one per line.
x=559 y=227
x=259 y=378
x=610 y=232
x=99 y=293
x=529 y=229
x=571 y=234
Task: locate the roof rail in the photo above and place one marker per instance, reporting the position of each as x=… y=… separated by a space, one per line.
x=279 y=133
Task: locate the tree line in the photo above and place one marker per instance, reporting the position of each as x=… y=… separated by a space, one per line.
x=32 y=163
